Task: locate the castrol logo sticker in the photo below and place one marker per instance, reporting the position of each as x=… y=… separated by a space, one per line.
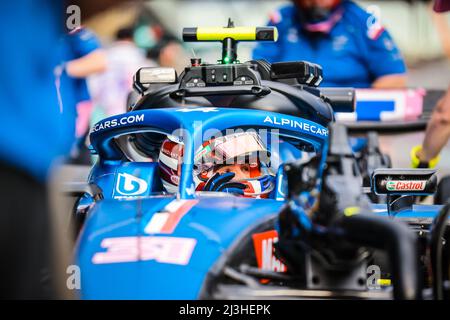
x=405 y=185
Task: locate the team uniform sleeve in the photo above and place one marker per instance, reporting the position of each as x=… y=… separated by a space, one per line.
x=383 y=56
x=83 y=42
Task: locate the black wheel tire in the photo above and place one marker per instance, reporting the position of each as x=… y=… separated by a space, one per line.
x=443 y=191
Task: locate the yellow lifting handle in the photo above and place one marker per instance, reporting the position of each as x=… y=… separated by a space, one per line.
x=235 y=33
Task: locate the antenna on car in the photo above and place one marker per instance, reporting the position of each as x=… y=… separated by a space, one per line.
x=193 y=53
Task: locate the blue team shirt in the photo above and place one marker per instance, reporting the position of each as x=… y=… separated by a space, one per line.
x=353 y=54
x=74 y=45
x=35 y=132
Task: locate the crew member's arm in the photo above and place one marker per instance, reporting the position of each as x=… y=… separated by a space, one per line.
x=384 y=60
x=391 y=81
x=85 y=66
x=90 y=59
x=436 y=136
x=440 y=21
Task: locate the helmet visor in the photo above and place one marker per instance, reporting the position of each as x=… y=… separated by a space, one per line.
x=235 y=146
x=232 y=149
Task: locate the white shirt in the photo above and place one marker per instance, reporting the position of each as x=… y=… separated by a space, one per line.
x=110 y=89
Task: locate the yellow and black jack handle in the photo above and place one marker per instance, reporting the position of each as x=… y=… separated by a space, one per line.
x=229 y=36
x=235 y=33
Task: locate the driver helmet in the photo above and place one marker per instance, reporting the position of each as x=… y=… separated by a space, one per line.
x=243 y=154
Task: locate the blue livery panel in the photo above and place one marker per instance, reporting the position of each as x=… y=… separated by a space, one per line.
x=128 y=251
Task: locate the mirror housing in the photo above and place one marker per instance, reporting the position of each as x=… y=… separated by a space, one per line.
x=78 y=189
x=144 y=77
x=404 y=181
x=305 y=72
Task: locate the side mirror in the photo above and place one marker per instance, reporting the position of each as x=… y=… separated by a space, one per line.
x=305 y=72
x=340 y=99
x=144 y=77
x=78 y=189
x=404 y=182
x=84 y=195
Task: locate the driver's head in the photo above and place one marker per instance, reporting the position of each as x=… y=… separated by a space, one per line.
x=243 y=154
x=441 y=5
x=318 y=15
x=324 y=4
x=241 y=171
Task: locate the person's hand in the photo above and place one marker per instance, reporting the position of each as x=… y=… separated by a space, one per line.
x=221 y=183
x=417 y=162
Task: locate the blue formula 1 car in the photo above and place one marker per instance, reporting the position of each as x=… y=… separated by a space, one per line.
x=164 y=217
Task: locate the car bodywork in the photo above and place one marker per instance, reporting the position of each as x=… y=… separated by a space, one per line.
x=209 y=224
x=140 y=244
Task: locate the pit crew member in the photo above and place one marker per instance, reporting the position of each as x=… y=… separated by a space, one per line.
x=438 y=129
x=345 y=40
x=81 y=56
